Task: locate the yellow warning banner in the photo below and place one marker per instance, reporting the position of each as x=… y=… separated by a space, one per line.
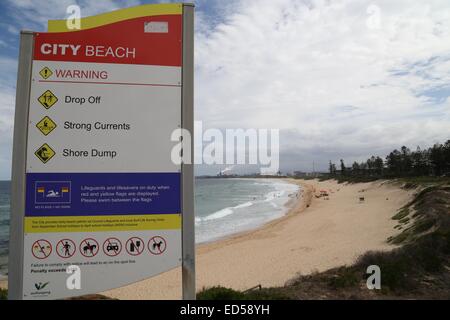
x=146 y=10
x=102 y=223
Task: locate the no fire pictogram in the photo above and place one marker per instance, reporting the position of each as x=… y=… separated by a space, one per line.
x=41 y=249
x=46 y=125
x=47 y=99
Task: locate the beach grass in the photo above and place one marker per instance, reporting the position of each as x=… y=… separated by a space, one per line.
x=401 y=214
x=223 y=293
x=3 y=294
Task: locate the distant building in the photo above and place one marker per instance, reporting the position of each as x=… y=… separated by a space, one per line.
x=299 y=174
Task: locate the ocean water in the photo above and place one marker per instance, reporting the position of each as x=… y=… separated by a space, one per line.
x=227 y=206
x=223 y=207
x=5 y=191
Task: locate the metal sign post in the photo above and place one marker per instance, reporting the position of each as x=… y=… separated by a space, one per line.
x=93 y=181
x=15 y=267
x=187 y=119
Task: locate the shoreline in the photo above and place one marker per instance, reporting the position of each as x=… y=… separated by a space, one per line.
x=290 y=208
x=299 y=205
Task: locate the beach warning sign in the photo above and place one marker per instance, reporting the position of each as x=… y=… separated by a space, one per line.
x=45 y=73
x=46 y=125
x=44 y=153
x=94 y=182
x=47 y=99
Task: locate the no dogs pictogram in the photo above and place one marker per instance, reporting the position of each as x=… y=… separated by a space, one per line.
x=157 y=245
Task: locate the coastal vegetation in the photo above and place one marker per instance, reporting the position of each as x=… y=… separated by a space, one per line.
x=429 y=165
x=3 y=294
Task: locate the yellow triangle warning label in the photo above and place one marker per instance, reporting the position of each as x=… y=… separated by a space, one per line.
x=45 y=153
x=47 y=99
x=46 y=73
x=46 y=125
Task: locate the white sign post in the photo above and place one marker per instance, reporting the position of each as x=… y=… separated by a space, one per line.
x=93 y=182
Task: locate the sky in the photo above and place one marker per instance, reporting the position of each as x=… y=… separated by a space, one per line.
x=339 y=79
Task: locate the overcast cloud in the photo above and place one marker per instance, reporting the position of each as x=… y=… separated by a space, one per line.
x=340 y=79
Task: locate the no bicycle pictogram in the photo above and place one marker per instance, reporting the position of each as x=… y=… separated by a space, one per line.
x=157 y=245
x=89 y=247
x=135 y=246
x=112 y=247
x=65 y=248
x=41 y=249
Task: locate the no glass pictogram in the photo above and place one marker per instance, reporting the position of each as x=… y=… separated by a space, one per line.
x=134 y=246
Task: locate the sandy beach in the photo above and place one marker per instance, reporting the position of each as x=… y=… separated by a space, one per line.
x=316 y=235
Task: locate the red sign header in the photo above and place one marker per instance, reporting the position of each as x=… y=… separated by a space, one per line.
x=125 y=42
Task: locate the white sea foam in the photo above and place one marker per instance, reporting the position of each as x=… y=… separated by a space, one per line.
x=254 y=203
x=224 y=212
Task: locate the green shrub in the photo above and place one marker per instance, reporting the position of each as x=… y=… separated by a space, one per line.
x=400 y=238
x=220 y=293
x=346 y=277
x=3 y=294
x=396 y=268
x=404 y=220
x=401 y=214
x=266 y=294
x=423 y=225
